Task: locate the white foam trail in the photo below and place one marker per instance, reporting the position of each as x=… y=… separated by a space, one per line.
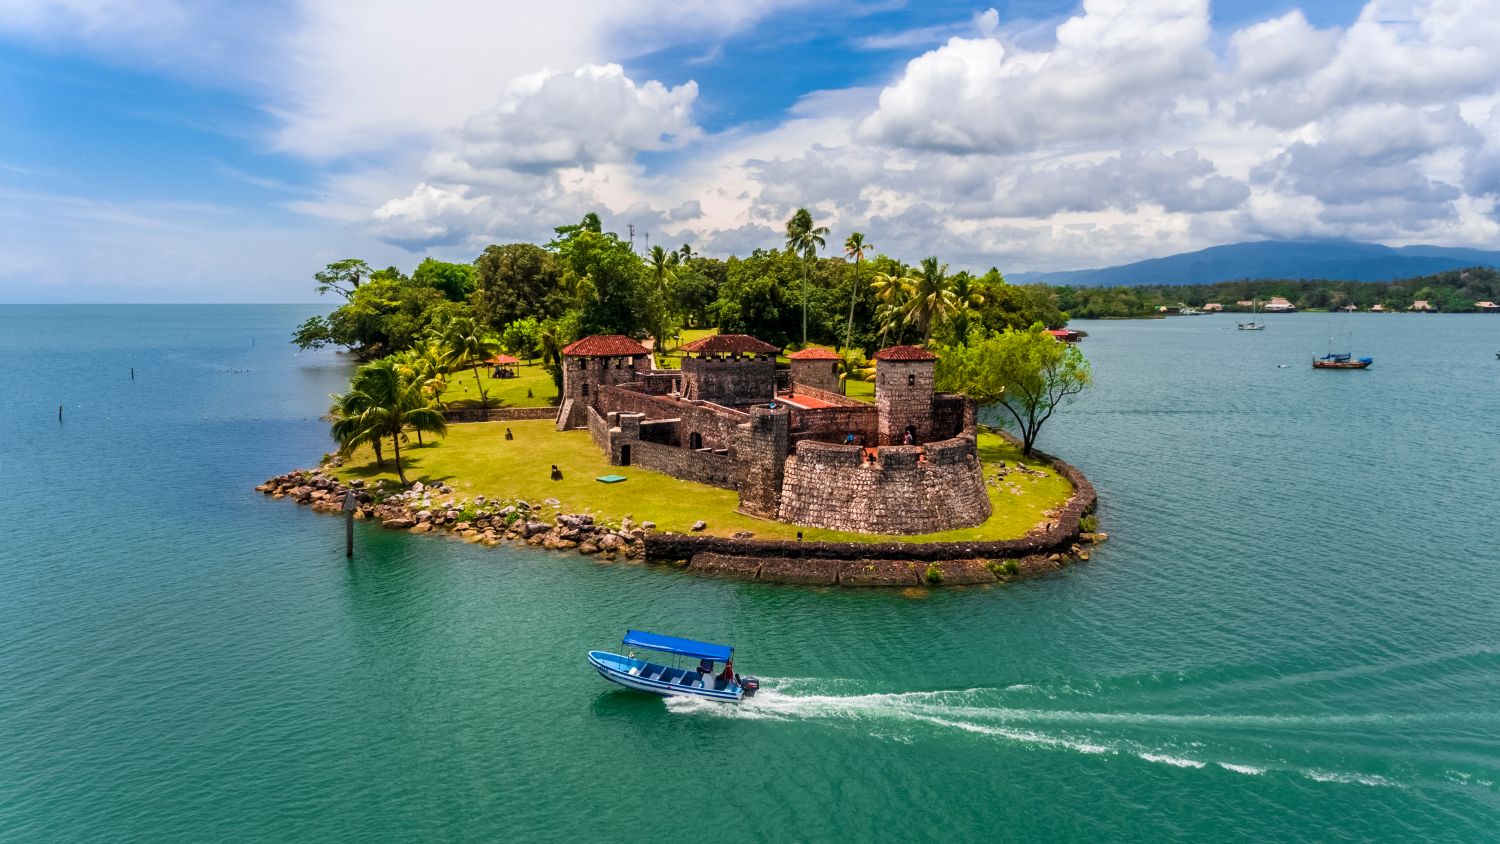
x=1175 y=761
x=1019 y=735
x=1359 y=779
x=1242 y=769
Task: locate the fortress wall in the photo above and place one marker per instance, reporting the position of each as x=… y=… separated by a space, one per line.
x=952 y=415
x=705 y=467
x=730 y=380
x=714 y=423
x=834 y=398
x=827 y=486
x=833 y=423
x=598 y=429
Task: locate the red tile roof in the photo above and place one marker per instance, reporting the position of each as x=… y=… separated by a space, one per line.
x=606 y=346
x=730 y=343
x=904 y=353
x=813 y=353
x=501 y=360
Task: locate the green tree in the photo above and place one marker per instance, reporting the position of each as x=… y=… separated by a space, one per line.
x=465 y=345
x=515 y=281
x=892 y=290
x=805 y=239
x=931 y=300
x=1027 y=373
x=386 y=399
x=522 y=337
x=455 y=281
x=342 y=277
x=854 y=249
x=609 y=281
x=383 y=316
x=661 y=267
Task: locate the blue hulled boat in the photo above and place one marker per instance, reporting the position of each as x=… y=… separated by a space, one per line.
x=701 y=680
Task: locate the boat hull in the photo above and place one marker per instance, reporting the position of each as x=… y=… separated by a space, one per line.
x=1341 y=364
x=617 y=669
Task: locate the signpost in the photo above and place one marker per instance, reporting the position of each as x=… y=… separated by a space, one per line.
x=350 y=505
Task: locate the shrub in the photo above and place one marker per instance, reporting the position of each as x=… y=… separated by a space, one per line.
x=933 y=574
x=1089 y=523
x=1003 y=568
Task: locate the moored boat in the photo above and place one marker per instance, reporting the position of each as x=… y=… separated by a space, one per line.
x=1340 y=361
x=658 y=678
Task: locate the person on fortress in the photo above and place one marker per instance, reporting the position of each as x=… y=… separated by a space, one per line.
x=509 y=435
x=556 y=473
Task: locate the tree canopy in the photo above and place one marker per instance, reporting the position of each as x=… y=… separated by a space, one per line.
x=1028 y=374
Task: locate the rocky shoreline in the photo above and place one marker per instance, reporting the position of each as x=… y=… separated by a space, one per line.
x=438 y=509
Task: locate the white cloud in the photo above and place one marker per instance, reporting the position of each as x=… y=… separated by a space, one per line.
x=1115 y=72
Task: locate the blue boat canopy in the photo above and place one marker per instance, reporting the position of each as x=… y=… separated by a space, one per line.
x=674 y=645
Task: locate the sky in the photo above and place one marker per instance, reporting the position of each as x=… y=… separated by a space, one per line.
x=218 y=151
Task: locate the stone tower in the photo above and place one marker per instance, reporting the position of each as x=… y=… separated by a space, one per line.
x=903 y=393
x=762 y=445
x=600 y=359
x=817 y=368
x=729 y=369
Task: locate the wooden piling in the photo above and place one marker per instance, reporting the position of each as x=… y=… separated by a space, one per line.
x=350 y=504
x=59 y=413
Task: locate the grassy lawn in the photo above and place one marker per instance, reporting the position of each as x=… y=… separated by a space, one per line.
x=862 y=390
x=503 y=392
x=476 y=459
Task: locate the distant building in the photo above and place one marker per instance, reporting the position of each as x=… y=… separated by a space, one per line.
x=1245 y=303
x=1487 y=307
x=1379 y=309
x=1067 y=335
x=1422 y=305
x=1213 y=306
x=1349 y=308
x=1279 y=303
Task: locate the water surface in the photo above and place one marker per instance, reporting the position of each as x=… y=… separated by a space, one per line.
x=1291 y=635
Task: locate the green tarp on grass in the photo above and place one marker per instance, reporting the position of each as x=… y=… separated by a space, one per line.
x=610 y=479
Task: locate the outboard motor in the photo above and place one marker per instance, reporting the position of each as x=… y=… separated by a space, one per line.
x=751 y=685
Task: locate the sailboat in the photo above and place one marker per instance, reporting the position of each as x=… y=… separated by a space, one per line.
x=1254 y=324
x=1342 y=360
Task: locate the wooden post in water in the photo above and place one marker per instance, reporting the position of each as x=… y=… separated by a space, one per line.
x=59 y=413
x=349 y=507
x=132 y=373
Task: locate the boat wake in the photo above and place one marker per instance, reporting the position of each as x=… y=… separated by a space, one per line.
x=1237 y=744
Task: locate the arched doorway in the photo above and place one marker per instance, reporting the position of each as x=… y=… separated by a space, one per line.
x=695 y=441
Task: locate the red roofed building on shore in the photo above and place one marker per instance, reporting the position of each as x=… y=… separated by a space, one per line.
x=802 y=454
x=817 y=368
x=595 y=361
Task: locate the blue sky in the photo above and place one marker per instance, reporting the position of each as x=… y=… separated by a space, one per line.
x=166 y=151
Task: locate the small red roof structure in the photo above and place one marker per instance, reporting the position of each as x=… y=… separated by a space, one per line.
x=605 y=346
x=1067 y=335
x=905 y=354
x=502 y=360
x=813 y=353
x=720 y=344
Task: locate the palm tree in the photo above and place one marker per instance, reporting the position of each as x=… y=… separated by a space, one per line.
x=685 y=252
x=854 y=247
x=892 y=290
x=426 y=362
x=803 y=238
x=351 y=426
x=932 y=299
x=466 y=345
x=390 y=398
x=661 y=265
x=968 y=299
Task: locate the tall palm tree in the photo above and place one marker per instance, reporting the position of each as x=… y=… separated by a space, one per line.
x=426 y=362
x=932 y=299
x=685 y=252
x=465 y=345
x=392 y=399
x=854 y=247
x=661 y=266
x=892 y=290
x=805 y=239
x=968 y=299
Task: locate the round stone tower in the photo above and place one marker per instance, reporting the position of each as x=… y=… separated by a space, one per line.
x=903 y=393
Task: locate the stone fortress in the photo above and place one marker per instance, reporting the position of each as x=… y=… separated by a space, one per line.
x=786 y=439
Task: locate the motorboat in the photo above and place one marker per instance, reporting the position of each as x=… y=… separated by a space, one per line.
x=655 y=676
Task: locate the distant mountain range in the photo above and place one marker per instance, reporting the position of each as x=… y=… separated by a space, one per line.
x=1342 y=260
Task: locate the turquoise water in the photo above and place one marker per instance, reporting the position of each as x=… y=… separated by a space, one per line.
x=1293 y=633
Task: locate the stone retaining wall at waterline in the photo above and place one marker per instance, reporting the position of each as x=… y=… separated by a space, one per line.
x=424 y=509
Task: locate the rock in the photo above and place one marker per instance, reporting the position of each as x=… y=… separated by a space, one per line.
x=588 y=548
x=452 y=515
x=1055 y=558
x=421 y=527
x=536 y=528
x=1100 y=536
x=570 y=534
x=358 y=483
x=266 y=488
x=463 y=526
x=445 y=489
x=699 y=525
x=551 y=502
x=556 y=543
x=627 y=523
x=359 y=514
x=743 y=534
x=417 y=487
x=610 y=542
x=424 y=515
x=586 y=519
x=1084 y=556
x=724 y=565
x=522 y=505
x=506 y=511
x=807 y=571
x=648 y=525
